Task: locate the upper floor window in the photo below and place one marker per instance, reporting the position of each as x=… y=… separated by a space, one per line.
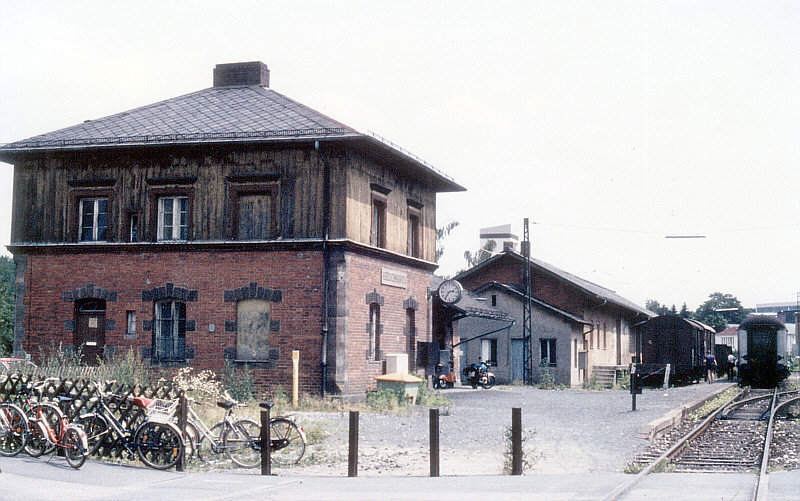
x=173 y=218
x=255 y=214
x=414 y=244
x=378 y=236
x=94 y=219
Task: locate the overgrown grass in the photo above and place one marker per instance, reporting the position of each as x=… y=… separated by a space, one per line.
x=713 y=404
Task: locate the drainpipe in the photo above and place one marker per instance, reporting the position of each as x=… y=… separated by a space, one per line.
x=326 y=223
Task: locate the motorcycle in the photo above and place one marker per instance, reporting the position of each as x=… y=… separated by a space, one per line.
x=478 y=374
x=443 y=379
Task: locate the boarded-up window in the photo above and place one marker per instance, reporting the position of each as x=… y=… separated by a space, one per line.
x=252 y=329
x=256 y=217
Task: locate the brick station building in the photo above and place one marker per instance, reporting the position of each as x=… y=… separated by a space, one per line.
x=229 y=224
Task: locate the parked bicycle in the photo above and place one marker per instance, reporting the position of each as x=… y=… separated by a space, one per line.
x=157 y=444
x=50 y=428
x=240 y=438
x=13 y=429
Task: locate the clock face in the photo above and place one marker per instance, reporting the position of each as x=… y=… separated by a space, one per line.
x=450 y=291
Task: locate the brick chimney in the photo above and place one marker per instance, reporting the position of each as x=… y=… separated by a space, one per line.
x=252 y=73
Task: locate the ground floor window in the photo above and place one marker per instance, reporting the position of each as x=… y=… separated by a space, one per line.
x=489 y=351
x=169 y=339
x=374 y=328
x=252 y=329
x=548 y=347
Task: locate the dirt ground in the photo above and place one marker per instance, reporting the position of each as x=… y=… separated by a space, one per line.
x=568 y=431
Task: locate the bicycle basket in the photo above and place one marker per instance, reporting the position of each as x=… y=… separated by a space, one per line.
x=161 y=410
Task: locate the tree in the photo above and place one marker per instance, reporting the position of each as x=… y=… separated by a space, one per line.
x=685 y=313
x=481 y=255
x=721 y=310
x=441 y=233
x=656 y=307
x=6 y=305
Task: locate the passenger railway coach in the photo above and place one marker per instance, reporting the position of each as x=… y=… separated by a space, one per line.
x=762 y=351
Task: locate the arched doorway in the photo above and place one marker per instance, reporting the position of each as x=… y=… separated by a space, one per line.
x=90 y=330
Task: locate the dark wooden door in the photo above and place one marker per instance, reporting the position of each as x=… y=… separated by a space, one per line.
x=90 y=329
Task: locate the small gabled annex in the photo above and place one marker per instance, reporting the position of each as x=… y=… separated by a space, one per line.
x=579 y=329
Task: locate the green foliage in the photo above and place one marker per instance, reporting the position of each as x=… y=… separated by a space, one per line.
x=429 y=398
x=7 y=298
x=129 y=369
x=547 y=378
x=709 y=313
x=203 y=386
x=480 y=255
x=441 y=233
x=60 y=362
x=529 y=456
x=387 y=400
x=238 y=382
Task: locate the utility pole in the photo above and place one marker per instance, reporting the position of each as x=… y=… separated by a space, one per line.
x=527 y=303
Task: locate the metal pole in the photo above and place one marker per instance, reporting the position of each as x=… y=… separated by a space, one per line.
x=352 y=456
x=433 y=419
x=266 y=450
x=182 y=415
x=516 y=441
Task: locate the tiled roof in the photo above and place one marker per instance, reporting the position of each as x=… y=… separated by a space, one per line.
x=225 y=114
x=578 y=282
x=511 y=289
x=243 y=113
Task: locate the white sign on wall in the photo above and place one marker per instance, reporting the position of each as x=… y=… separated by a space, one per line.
x=394 y=278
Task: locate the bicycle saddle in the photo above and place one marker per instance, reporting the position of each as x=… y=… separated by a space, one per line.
x=226 y=405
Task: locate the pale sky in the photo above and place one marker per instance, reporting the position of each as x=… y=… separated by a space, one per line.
x=610 y=124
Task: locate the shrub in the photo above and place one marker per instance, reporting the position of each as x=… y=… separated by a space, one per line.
x=529 y=456
x=386 y=400
x=238 y=382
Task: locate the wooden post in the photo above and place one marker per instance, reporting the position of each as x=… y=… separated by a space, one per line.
x=433 y=415
x=295 y=375
x=516 y=441
x=352 y=456
x=266 y=450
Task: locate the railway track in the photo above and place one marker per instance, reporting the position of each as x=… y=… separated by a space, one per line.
x=736 y=438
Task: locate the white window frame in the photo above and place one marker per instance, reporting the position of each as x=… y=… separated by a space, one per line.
x=175 y=229
x=95 y=201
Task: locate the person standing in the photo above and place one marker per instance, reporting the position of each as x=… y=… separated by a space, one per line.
x=711 y=366
x=731 y=366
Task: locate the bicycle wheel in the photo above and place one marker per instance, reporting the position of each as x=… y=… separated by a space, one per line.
x=51 y=416
x=206 y=448
x=288 y=441
x=13 y=430
x=158 y=445
x=243 y=443
x=37 y=441
x=96 y=428
x=73 y=448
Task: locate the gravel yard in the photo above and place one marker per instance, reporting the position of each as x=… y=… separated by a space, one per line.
x=571 y=431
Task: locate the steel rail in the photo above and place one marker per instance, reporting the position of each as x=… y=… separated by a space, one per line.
x=761 y=492
x=670 y=453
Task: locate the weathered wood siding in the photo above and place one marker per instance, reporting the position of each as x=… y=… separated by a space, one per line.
x=362 y=174
x=47 y=191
